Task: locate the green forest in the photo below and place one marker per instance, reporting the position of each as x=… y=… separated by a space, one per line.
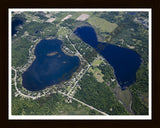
x=20 y=51
x=99 y=95
x=55 y=104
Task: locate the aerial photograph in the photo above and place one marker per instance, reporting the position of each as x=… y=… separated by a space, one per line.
x=90 y=63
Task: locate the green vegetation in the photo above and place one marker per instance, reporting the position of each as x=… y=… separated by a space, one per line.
x=60 y=15
x=85 y=50
x=20 y=17
x=68 y=23
x=136 y=38
x=40 y=29
x=23 y=41
x=62 y=32
x=141 y=85
x=137 y=103
x=102 y=24
x=97 y=62
x=97 y=74
x=125 y=96
x=41 y=16
x=54 y=104
x=108 y=72
x=67 y=43
x=99 y=95
x=34 y=16
x=20 y=51
x=77 y=14
x=140 y=91
x=112 y=17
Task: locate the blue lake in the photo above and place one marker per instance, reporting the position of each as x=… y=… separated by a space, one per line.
x=124 y=61
x=16 y=23
x=132 y=13
x=50 y=67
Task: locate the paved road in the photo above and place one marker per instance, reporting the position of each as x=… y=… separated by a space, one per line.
x=81 y=58
x=15 y=83
x=78 y=80
x=23 y=95
x=91 y=107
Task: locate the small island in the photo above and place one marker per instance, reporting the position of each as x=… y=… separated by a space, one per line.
x=52 y=53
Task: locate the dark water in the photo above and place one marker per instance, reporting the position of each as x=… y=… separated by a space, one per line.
x=49 y=69
x=16 y=23
x=124 y=61
x=132 y=13
x=36 y=31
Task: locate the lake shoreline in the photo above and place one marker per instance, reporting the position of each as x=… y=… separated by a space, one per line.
x=64 y=64
x=124 y=61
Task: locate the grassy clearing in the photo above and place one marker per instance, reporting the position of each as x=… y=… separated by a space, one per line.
x=62 y=32
x=124 y=96
x=102 y=24
x=97 y=74
x=145 y=98
x=59 y=16
x=97 y=62
x=30 y=17
x=75 y=108
x=75 y=15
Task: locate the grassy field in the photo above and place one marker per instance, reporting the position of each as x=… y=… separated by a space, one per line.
x=74 y=109
x=145 y=98
x=59 y=16
x=75 y=15
x=102 y=24
x=30 y=17
x=97 y=74
x=97 y=62
x=62 y=32
x=124 y=96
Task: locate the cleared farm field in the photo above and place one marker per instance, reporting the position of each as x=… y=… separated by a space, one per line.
x=82 y=17
x=102 y=24
x=77 y=14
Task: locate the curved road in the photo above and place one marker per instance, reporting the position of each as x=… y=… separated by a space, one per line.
x=19 y=92
x=23 y=95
